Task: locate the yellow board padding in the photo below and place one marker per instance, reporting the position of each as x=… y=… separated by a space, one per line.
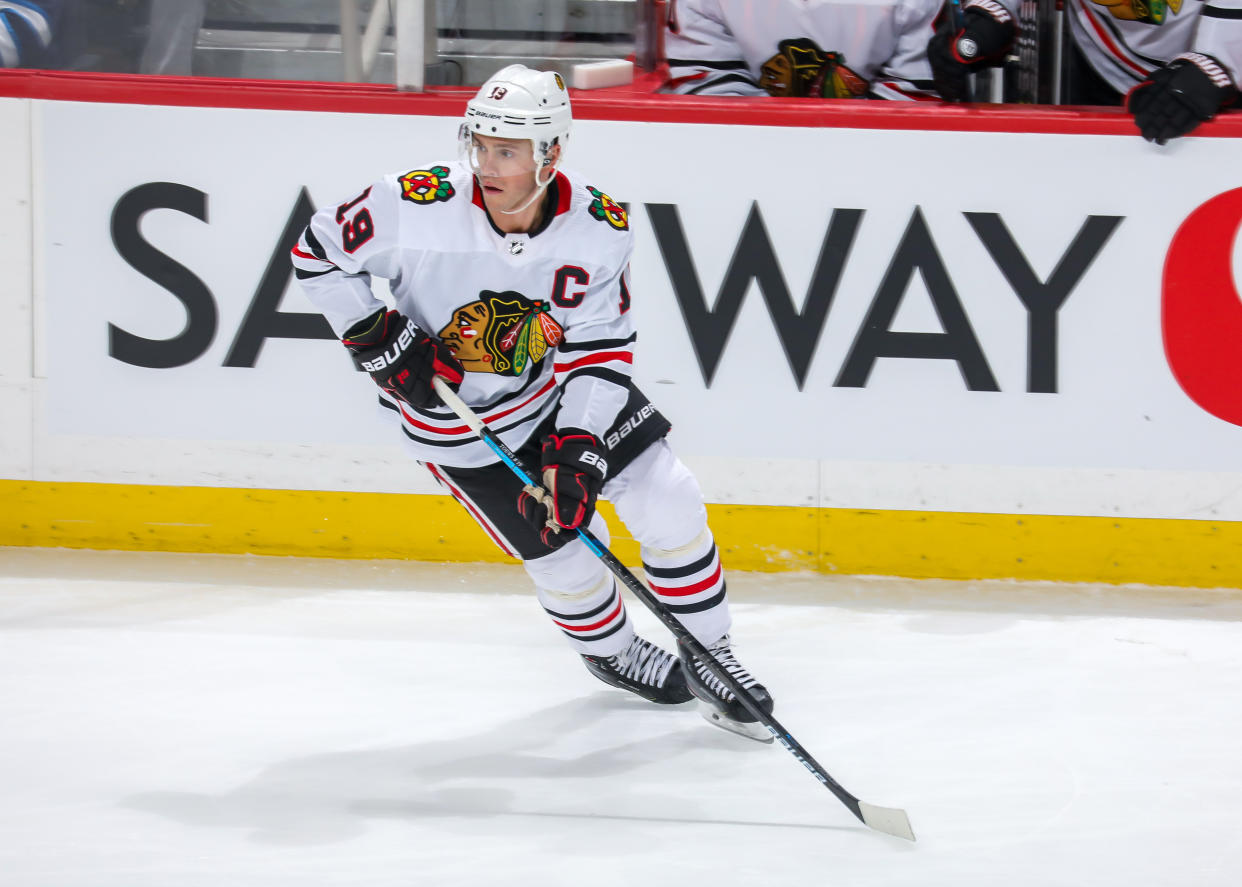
x=917 y=544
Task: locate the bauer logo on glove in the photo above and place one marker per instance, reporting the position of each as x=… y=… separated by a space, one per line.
x=595 y=460
x=401 y=358
x=404 y=338
x=574 y=469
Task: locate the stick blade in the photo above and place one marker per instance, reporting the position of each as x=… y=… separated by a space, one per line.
x=889 y=820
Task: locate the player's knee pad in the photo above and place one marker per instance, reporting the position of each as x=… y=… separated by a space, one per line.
x=573 y=572
x=700 y=543
x=659 y=499
x=595 y=587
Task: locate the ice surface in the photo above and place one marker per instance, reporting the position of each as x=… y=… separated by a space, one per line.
x=191 y=721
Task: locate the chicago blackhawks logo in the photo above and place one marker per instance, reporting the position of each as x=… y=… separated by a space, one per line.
x=605 y=209
x=426 y=185
x=800 y=68
x=501 y=333
x=1151 y=12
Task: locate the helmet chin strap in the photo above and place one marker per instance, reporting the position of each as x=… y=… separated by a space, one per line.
x=540 y=187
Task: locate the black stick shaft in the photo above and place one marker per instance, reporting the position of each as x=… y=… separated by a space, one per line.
x=666 y=616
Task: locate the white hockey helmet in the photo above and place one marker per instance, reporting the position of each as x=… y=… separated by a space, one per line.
x=521 y=103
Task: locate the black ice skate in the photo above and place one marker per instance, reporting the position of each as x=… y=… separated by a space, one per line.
x=645 y=669
x=718 y=705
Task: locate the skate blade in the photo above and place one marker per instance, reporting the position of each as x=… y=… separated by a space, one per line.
x=751 y=730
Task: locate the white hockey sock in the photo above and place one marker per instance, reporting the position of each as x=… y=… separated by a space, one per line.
x=595 y=621
x=690 y=581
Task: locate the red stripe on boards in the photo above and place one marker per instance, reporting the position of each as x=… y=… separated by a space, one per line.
x=619 y=104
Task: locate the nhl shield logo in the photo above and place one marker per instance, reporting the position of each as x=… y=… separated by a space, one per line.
x=426 y=185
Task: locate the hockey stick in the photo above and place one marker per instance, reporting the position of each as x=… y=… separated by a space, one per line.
x=956 y=16
x=884 y=819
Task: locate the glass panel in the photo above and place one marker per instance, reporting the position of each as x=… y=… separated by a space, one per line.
x=301 y=39
x=478 y=37
x=466 y=42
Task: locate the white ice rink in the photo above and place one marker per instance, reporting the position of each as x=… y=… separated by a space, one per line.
x=187 y=721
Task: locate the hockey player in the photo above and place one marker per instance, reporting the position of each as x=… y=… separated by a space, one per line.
x=1175 y=63
x=829 y=48
x=510 y=279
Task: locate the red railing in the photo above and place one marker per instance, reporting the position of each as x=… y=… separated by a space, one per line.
x=637 y=102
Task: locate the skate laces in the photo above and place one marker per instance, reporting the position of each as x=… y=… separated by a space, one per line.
x=643 y=661
x=722 y=652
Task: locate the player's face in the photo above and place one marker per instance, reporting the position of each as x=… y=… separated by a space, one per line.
x=497 y=158
x=505 y=168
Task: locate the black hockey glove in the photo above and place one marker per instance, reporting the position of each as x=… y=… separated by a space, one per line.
x=401 y=358
x=1175 y=99
x=573 y=473
x=985 y=38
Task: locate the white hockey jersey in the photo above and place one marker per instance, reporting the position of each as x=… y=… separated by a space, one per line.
x=536 y=319
x=828 y=48
x=1125 y=40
